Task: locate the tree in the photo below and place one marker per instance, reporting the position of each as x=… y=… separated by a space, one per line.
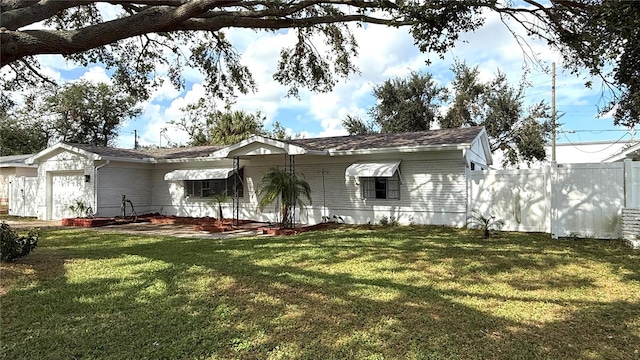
x=604 y=37
x=234 y=126
x=174 y=34
x=87 y=113
x=21 y=132
x=407 y=104
x=18 y=137
x=355 y=125
x=521 y=133
x=209 y=126
x=287 y=188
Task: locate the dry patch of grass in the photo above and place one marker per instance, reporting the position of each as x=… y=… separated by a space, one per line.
x=408 y=292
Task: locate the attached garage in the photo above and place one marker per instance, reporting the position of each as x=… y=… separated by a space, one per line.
x=65 y=189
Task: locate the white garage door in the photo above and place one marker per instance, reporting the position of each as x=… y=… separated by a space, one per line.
x=66 y=189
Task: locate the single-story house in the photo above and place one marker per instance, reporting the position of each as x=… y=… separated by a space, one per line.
x=419 y=177
x=10 y=167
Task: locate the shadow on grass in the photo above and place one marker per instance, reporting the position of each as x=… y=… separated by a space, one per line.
x=349 y=293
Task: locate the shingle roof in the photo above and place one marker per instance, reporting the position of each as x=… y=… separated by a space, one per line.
x=336 y=143
x=161 y=153
x=379 y=141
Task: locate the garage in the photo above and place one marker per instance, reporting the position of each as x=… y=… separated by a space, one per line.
x=65 y=189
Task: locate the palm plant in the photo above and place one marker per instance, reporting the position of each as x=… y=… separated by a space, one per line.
x=288 y=188
x=219 y=199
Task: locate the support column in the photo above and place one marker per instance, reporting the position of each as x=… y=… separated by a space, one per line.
x=292 y=173
x=236 y=197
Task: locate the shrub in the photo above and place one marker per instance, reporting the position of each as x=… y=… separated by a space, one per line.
x=14 y=246
x=484 y=223
x=80 y=209
x=388 y=221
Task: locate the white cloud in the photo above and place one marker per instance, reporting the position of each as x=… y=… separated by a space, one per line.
x=96 y=74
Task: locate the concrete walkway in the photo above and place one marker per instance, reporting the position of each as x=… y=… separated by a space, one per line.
x=145 y=228
x=183 y=231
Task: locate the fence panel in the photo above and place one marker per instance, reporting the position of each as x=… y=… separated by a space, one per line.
x=587 y=200
x=518 y=197
x=22 y=195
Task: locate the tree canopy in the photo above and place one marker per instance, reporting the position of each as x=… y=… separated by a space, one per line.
x=172 y=34
x=521 y=132
x=407 y=104
x=207 y=126
x=416 y=103
x=79 y=112
x=87 y=113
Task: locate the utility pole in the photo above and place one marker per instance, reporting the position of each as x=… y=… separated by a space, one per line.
x=553 y=112
x=135 y=139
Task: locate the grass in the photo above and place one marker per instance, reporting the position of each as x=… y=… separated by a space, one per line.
x=408 y=292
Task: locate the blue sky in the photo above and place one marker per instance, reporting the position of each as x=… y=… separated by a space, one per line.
x=383 y=53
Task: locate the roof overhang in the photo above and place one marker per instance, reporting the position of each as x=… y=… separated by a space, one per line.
x=58 y=147
x=399 y=149
x=260 y=145
x=15 y=161
x=373 y=169
x=632 y=152
x=199 y=174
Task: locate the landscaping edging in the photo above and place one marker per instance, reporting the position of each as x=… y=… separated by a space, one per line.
x=87 y=222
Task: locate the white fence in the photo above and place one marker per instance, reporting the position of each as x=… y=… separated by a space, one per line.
x=22 y=195
x=583 y=200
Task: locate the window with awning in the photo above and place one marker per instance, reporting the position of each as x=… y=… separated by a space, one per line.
x=202 y=183
x=373 y=169
x=378 y=180
x=199 y=174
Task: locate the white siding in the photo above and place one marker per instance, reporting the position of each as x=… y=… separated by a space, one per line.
x=433 y=189
x=129 y=179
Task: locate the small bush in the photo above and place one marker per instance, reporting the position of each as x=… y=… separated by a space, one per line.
x=14 y=246
x=477 y=220
x=388 y=221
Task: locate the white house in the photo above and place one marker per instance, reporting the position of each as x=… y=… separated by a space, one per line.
x=420 y=177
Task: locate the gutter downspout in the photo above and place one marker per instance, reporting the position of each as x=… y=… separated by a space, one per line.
x=95 y=186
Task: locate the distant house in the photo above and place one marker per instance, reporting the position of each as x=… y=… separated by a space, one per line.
x=12 y=166
x=416 y=177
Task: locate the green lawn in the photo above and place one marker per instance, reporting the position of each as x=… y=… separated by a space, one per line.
x=406 y=292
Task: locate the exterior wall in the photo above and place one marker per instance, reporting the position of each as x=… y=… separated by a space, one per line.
x=63 y=163
x=631 y=226
x=134 y=180
x=168 y=197
x=433 y=189
x=476 y=155
x=632 y=183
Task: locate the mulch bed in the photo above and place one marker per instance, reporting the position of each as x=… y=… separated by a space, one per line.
x=206 y=223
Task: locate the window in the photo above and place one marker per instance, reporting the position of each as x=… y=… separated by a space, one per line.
x=380 y=187
x=210 y=187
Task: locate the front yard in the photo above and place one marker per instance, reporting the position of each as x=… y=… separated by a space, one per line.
x=404 y=292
